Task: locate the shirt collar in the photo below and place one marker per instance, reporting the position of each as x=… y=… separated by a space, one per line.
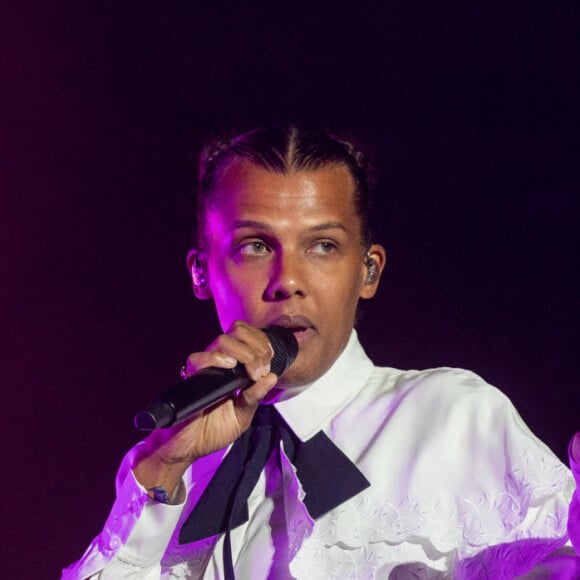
x=318 y=402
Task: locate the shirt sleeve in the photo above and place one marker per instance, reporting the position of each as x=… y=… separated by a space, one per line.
x=552 y=561
x=574 y=514
x=135 y=535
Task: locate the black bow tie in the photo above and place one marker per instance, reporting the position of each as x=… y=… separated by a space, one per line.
x=327 y=476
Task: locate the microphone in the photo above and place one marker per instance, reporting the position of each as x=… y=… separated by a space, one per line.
x=212 y=384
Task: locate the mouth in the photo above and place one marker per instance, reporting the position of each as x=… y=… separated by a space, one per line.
x=300 y=326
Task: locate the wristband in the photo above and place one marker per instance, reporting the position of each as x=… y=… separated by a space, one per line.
x=159 y=494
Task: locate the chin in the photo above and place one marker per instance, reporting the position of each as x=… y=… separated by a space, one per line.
x=297 y=376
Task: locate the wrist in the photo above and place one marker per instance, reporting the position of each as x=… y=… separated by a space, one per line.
x=154 y=472
x=160 y=495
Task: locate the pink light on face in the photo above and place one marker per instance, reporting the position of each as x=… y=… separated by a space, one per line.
x=286 y=249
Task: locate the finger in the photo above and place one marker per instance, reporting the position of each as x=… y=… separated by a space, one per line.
x=250 y=355
x=248 y=345
x=247 y=401
x=253 y=336
x=255 y=394
x=202 y=360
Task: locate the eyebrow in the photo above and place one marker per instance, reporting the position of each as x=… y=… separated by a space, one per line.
x=238 y=224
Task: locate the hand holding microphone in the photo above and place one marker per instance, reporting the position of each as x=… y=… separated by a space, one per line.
x=212 y=384
x=201 y=419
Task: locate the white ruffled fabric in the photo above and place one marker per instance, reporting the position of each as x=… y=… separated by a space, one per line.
x=459 y=489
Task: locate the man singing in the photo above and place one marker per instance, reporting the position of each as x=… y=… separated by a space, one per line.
x=337 y=469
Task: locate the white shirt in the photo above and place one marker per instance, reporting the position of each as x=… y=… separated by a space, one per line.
x=459 y=487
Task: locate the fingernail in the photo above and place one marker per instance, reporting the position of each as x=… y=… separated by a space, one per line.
x=265 y=370
x=229 y=361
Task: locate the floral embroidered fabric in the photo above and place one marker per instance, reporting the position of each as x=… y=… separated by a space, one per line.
x=460 y=488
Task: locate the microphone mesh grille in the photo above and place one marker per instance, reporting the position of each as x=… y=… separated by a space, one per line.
x=285 y=348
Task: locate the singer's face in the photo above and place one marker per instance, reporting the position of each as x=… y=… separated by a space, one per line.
x=287 y=250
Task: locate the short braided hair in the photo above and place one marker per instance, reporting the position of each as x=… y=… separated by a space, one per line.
x=283 y=149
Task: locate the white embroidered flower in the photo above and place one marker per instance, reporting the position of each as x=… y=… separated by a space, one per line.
x=544 y=475
x=483 y=521
x=189 y=560
x=181 y=570
x=402 y=520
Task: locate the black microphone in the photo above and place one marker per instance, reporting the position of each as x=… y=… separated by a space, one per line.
x=210 y=385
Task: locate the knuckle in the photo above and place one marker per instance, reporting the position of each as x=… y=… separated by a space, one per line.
x=238 y=326
x=219 y=343
x=193 y=362
x=198 y=361
x=265 y=350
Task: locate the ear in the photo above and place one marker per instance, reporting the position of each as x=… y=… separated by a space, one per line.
x=197 y=266
x=374 y=264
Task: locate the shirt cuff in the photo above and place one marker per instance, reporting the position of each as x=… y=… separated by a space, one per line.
x=141 y=528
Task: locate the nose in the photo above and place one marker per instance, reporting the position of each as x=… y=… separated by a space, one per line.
x=287 y=278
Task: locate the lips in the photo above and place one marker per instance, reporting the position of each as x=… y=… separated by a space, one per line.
x=300 y=326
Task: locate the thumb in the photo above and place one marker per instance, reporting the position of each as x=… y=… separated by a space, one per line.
x=252 y=396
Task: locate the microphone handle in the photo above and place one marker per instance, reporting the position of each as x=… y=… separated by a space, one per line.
x=178 y=405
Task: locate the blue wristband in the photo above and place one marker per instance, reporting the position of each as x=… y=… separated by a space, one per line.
x=159 y=494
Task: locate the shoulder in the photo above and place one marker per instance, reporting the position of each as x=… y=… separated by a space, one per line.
x=450 y=414
x=440 y=389
x=418 y=406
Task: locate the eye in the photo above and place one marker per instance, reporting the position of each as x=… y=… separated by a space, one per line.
x=253 y=248
x=322 y=247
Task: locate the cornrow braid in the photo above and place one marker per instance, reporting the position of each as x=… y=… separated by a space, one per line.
x=282 y=149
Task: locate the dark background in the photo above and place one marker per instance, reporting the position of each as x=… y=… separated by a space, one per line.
x=470 y=114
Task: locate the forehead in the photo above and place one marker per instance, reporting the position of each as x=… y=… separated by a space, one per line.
x=323 y=193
